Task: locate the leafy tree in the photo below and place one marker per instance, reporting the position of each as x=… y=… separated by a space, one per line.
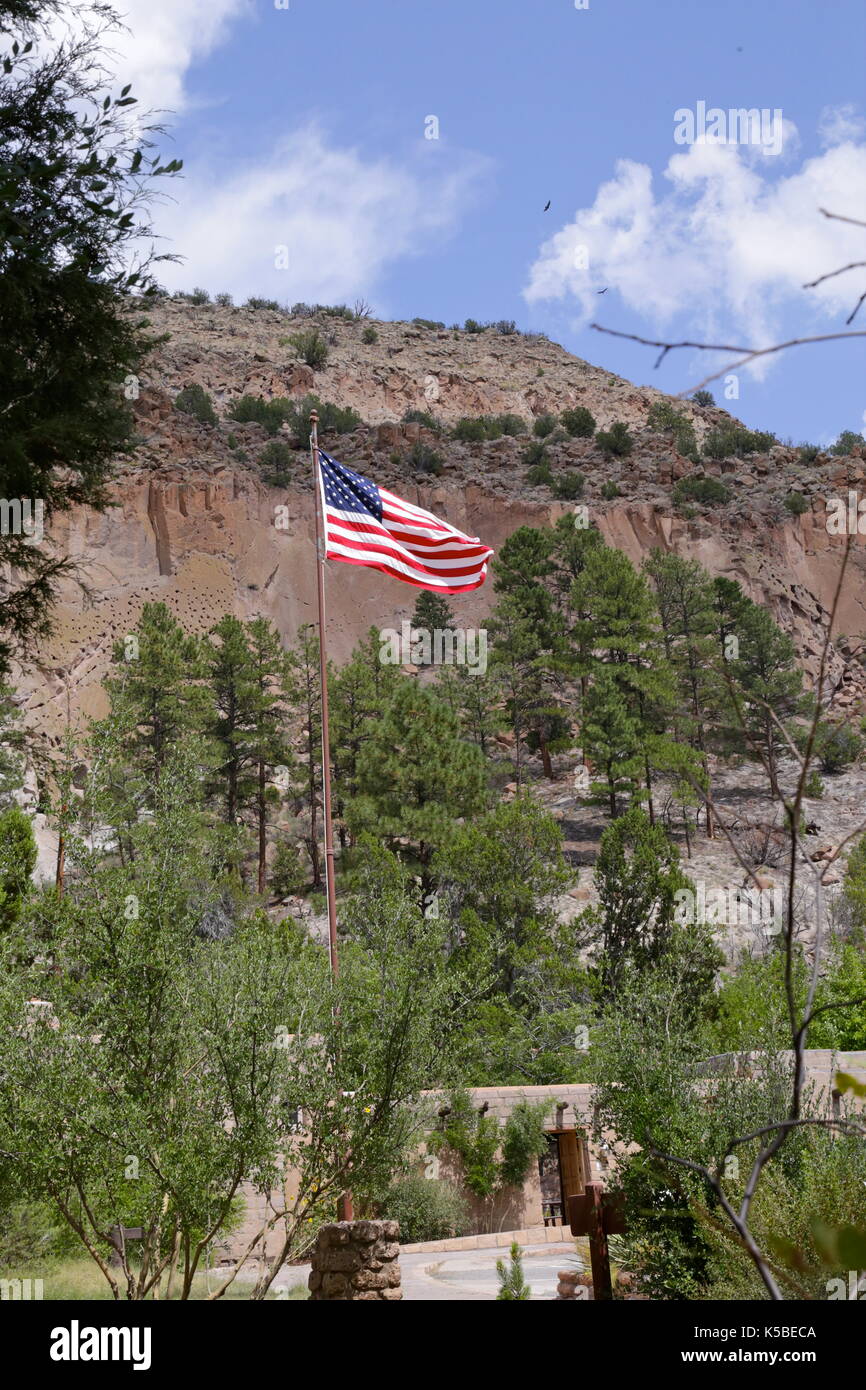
x=848 y=441
x=312 y=348
x=275 y=462
x=17 y=862
x=837 y=746
x=75 y=251
x=616 y=441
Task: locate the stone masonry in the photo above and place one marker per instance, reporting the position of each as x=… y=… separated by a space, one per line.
x=357 y=1260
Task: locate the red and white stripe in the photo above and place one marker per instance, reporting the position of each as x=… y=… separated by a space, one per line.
x=410 y=543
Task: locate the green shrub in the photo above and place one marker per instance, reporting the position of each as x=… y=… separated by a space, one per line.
x=847 y=442
x=808 y=452
x=709 y=491
x=311 y=348
x=199 y=296
x=427 y=323
x=609 y=490
x=473 y=326
x=424 y=459
x=333 y=419
x=506 y=327
x=424 y=418
x=511 y=425
x=663 y=416
x=735 y=442
x=271 y=415
x=703 y=398
x=369 y=335
x=813 y=787
x=275 y=462
x=426 y=1208
x=469 y=430
x=579 y=422
x=523 y=1140
x=796 y=503
x=223 y=300
x=232 y=441
x=569 y=487
x=194 y=400
x=534 y=453
x=543 y=426
x=513 y=1287
x=255 y=302
x=837 y=746
x=540 y=474
x=287 y=871
x=616 y=440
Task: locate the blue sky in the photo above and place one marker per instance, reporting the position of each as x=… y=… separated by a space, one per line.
x=305 y=128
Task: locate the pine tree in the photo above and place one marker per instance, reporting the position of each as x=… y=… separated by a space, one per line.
x=359 y=692
x=416 y=775
x=476 y=699
x=512 y=1284
x=158 y=695
x=269 y=741
x=305 y=696
x=612 y=742
x=432 y=612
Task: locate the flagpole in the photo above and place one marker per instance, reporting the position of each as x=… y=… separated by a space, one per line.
x=345 y=1205
x=323 y=678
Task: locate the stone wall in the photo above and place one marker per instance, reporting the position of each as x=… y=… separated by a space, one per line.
x=357 y=1260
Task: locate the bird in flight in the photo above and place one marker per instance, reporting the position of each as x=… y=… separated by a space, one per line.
x=604 y=291
x=547 y=204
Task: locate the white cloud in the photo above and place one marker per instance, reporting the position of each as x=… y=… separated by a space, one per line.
x=342 y=219
x=839 y=124
x=159 y=43
x=730 y=243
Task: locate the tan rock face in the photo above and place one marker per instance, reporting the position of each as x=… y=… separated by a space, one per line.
x=195 y=526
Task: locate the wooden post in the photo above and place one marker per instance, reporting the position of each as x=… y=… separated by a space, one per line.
x=599 y=1255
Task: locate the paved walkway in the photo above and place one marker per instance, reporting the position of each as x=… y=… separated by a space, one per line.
x=468 y=1275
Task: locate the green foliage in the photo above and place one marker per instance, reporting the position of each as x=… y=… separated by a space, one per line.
x=523 y=1140
x=616 y=441
x=703 y=398
x=796 y=503
x=512 y=425
x=17 y=862
x=579 y=422
x=544 y=425
x=808 y=452
x=223 y=300
x=432 y=611
x=569 y=486
x=512 y=1284
x=475 y=429
x=610 y=490
x=813 y=786
x=199 y=296
x=736 y=442
x=369 y=335
x=708 y=491
x=275 y=462
x=287 y=871
x=432 y=324
x=256 y=302
x=75 y=265
x=194 y=400
x=848 y=441
x=837 y=746
x=426 y=1208
x=506 y=328
x=663 y=416
x=473 y=326
x=470 y=430
x=423 y=418
x=311 y=348
x=423 y=459
x=540 y=474
x=271 y=415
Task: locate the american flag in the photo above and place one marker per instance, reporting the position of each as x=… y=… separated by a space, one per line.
x=367 y=525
